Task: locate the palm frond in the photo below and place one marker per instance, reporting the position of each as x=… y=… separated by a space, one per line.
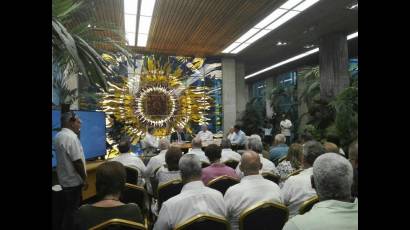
x=64 y=8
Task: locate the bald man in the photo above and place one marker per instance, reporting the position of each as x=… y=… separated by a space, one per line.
x=253 y=188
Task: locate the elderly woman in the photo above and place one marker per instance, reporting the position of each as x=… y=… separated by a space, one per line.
x=110 y=181
x=292 y=163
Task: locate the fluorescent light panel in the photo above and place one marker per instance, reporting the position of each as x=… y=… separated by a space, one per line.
x=231 y=47
x=278 y=17
x=142 y=40
x=130 y=6
x=241 y=47
x=147 y=7
x=146 y=11
x=144 y=25
x=350 y=36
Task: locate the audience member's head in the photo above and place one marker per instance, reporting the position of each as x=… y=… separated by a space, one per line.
x=180 y=129
x=190 y=167
x=164 y=144
x=311 y=150
x=213 y=152
x=353 y=151
x=250 y=163
x=294 y=155
x=124 y=146
x=150 y=130
x=305 y=137
x=226 y=144
x=204 y=127
x=70 y=120
x=279 y=139
x=172 y=157
x=254 y=143
x=330 y=147
x=333 y=139
x=110 y=179
x=332 y=177
x=196 y=143
x=236 y=128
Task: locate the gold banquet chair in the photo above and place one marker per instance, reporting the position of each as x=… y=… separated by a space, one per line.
x=231 y=163
x=120 y=224
x=264 y=216
x=135 y=194
x=168 y=190
x=204 y=222
x=308 y=204
x=132 y=175
x=222 y=183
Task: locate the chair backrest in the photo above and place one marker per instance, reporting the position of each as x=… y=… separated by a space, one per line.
x=308 y=204
x=222 y=183
x=272 y=177
x=132 y=175
x=204 y=164
x=154 y=183
x=264 y=216
x=135 y=194
x=204 y=222
x=282 y=159
x=231 y=163
x=168 y=190
x=295 y=172
x=119 y=224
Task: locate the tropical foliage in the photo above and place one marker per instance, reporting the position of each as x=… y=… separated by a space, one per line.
x=253 y=116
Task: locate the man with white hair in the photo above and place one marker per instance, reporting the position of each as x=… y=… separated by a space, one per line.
x=205 y=134
x=298 y=188
x=158 y=160
x=197 y=150
x=280 y=148
x=254 y=143
x=253 y=188
x=336 y=210
x=195 y=198
x=227 y=153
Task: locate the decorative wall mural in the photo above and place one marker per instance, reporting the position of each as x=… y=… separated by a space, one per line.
x=165 y=92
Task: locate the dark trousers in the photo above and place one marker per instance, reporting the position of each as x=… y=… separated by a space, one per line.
x=72 y=197
x=288 y=140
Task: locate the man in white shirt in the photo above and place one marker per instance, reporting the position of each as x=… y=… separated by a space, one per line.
x=285 y=126
x=205 y=134
x=238 y=137
x=298 y=188
x=336 y=210
x=227 y=153
x=149 y=142
x=195 y=198
x=71 y=170
x=253 y=188
x=254 y=143
x=197 y=150
x=156 y=162
x=129 y=159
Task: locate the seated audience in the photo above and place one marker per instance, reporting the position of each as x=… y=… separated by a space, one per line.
x=335 y=140
x=227 y=153
x=131 y=160
x=354 y=160
x=171 y=170
x=279 y=149
x=292 y=163
x=158 y=160
x=195 y=198
x=110 y=181
x=253 y=188
x=213 y=152
x=205 y=134
x=330 y=147
x=197 y=150
x=298 y=188
x=254 y=143
x=336 y=210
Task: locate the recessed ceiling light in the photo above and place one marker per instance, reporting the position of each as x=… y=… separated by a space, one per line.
x=353 y=6
x=279 y=43
x=308 y=46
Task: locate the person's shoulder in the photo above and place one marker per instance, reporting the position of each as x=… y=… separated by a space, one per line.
x=131 y=207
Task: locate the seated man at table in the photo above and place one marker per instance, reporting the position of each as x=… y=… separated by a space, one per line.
x=110 y=181
x=205 y=134
x=197 y=150
x=178 y=135
x=238 y=137
x=337 y=210
x=213 y=152
x=195 y=198
x=253 y=188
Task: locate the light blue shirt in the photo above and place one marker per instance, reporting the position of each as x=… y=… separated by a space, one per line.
x=325 y=215
x=238 y=138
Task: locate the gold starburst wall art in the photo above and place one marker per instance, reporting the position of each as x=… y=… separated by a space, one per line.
x=159 y=94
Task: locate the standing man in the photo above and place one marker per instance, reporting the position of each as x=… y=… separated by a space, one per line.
x=149 y=143
x=71 y=171
x=285 y=126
